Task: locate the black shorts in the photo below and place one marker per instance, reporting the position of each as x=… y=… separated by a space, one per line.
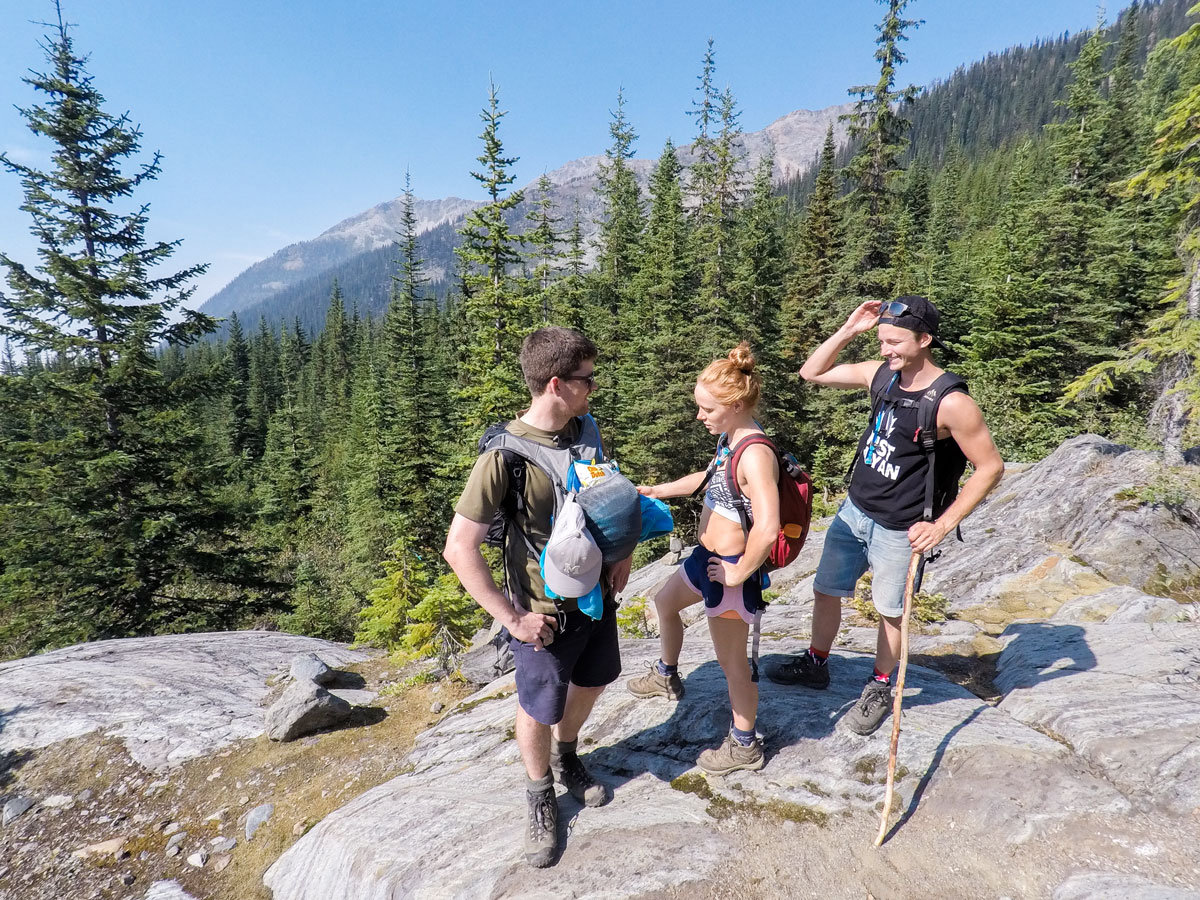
x=586 y=652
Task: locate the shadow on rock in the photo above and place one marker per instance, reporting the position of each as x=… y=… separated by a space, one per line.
x=669 y=748
x=1019 y=665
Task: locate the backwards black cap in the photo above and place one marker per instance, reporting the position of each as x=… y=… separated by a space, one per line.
x=914 y=313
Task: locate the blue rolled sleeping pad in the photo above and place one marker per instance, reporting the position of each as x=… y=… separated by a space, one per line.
x=613 y=510
x=619 y=518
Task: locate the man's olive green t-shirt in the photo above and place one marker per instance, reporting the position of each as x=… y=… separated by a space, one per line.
x=485 y=492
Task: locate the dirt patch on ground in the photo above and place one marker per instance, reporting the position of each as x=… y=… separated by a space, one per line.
x=101 y=795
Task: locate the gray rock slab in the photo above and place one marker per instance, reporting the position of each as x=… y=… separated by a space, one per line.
x=1124 y=697
x=355 y=697
x=451 y=825
x=15 y=807
x=310 y=667
x=167 y=890
x=258 y=817
x=169 y=698
x=1065 y=527
x=303 y=708
x=1115 y=886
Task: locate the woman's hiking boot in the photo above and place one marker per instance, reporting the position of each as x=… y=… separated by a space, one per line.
x=655 y=684
x=871 y=709
x=571 y=773
x=803 y=670
x=732 y=756
x=541 y=837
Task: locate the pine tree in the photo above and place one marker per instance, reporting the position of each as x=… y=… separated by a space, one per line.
x=1167 y=356
x=492 y=305
x=111 y=519
x=620 y=230
x=543 y=237
x=663 y=356
x=241 y=438
x=879 y=125
x=715 y=191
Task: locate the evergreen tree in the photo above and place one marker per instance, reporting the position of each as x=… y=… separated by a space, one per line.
x=241 y=438
x=111 y=520
x=543 y=237
x=620 y=225
x=879 y=125
x=492 y=306
x=1167 y=356
x=663 y=356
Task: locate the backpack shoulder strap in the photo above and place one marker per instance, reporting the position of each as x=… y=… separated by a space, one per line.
x=722 y=443
x=926 y=436
x=927 y=408
x=739 y=499
x=882 y=381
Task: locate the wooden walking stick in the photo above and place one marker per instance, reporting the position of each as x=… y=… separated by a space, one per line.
x=913 y=565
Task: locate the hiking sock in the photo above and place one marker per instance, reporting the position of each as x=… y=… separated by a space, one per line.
x=666 y=671
x=540 y=785
x=559 y=748
x=882 y=677
x=745 y=738
x=819 y=657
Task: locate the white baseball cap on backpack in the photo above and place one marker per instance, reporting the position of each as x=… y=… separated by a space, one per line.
x=571 y=560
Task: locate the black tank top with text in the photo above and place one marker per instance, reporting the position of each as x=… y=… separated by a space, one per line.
x=888 y=481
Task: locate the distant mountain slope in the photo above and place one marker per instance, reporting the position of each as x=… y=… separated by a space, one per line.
x=295 y=282
x=299 y=262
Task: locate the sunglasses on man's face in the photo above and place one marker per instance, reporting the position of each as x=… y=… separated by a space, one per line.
x=589 y=380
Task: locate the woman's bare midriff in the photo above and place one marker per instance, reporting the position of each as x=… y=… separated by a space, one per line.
x=720 y=535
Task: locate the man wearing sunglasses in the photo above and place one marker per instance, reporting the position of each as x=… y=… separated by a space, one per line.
x=890 y=511
x=563 y=657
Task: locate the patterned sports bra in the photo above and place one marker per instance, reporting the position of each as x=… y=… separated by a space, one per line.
x=718 y=498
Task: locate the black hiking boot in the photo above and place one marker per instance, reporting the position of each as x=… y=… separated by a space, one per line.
x=871 y=709
x=541 y=837
x=803 y=670
x=572 y=774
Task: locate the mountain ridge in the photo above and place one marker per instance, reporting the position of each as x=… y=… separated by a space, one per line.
x=308 y=267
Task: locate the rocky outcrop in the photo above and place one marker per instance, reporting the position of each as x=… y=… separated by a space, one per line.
x=1078 y=523
x=1076 y=778
x=169 y=698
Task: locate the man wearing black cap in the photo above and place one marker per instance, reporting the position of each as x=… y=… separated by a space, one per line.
x=902 y=497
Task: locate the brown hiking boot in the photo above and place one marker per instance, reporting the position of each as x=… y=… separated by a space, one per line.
x=731 y=757
x=653 y=684
x=541 y=838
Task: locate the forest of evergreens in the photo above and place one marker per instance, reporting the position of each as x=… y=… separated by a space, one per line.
x=156 y=477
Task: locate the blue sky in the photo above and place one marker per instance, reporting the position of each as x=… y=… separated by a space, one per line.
x=278 y=119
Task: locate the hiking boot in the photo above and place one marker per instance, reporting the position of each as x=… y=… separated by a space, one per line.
x=802 y=670
x=731 y=756
x=871 y=709
x=541 y=840
x=653 y=684
x=571 y=773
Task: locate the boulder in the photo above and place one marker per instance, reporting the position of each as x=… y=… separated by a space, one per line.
x=1124 y=697
x=309 y=667
x=305 y=707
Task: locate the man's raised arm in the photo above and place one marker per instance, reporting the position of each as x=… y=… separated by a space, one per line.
x=820 y=368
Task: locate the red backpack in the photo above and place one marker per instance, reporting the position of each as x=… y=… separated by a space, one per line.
x=795 y=497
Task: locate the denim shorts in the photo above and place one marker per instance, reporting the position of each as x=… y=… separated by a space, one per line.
x=585 y=652
x=855 y=543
